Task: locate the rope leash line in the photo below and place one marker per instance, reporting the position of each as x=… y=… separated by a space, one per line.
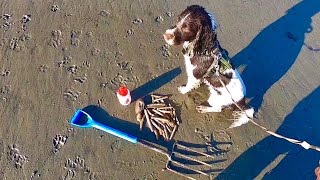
x=304 y=144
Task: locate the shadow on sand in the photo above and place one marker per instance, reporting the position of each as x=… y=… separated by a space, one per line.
x=268 y=57
x=274 y=50
x=301 y=124
x=155 y=84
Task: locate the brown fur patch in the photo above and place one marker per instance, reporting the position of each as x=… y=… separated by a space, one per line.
x=215 y=80
x=202 y=64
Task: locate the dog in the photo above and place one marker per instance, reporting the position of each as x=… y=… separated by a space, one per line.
x=195 y=29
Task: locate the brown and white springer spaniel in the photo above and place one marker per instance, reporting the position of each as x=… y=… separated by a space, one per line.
x=196 y=30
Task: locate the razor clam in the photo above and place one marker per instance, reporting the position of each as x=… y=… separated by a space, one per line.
x=156 y=105
x=166 y=133
x=155 y=124
x=161 y=98
x=161 y=114
x=142 y=122
x=164 y=120
x=139 y=106
x=148 y=120
x=173 y=132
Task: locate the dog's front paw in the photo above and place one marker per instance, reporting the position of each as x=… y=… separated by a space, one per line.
x=183 y=89
x=206 y=109
x=203 y=109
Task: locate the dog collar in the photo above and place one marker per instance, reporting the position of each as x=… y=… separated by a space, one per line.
x=220 y=63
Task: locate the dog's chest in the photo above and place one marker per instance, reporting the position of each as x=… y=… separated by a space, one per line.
x=189 y=66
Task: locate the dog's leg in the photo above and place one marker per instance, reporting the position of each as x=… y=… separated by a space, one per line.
x=191 y=84
x=206 y=109
x=214 y=103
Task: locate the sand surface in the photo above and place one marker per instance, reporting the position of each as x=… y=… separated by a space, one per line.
x=58 y=56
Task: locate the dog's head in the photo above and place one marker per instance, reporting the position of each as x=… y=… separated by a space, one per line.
x=194 y=24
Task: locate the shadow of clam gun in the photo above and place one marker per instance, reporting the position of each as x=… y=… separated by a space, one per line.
x=154 y=84
x=284 y=160
x=269 y=56
x=180 y=159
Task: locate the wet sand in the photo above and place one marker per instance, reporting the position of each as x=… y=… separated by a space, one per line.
x=59 y=56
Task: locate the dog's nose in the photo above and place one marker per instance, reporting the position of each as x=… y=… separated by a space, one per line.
x=167 y=36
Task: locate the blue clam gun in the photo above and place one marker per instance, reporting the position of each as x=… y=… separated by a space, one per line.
x=82 y=119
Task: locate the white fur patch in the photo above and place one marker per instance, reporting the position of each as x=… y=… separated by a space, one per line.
x=186 y=44
x=170 y=41
x=242 y=117
x=235 y=87
x=179 y=24
x=243 y=85
x=192 y=81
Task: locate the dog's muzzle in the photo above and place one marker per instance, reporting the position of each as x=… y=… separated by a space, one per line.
x=169 y=36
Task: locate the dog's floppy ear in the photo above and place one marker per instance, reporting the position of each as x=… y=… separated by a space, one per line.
x=205 y=39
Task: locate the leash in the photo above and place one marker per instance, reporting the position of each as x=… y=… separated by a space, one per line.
x=304 y=144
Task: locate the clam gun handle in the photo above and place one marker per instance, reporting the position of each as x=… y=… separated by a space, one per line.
x=115 y=132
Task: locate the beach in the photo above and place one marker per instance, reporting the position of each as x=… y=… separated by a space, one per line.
x=60 y=56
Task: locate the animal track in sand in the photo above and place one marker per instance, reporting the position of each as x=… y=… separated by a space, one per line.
x=3 y=42
x=137 y=21
x=86 y=64
x=24 y=37
x=5 y=89
x=95 y=52
x=43 y=68
x=35 y=174
x=125 y=65
x=7 y=22
x=120 y=80
x=55 y=8
x=159 y=19
x=130 y=32
x=72 y=69
x=14 y=44
x=75 y=35
x=66 y=61
x=70 y=95
x=104 y=13
x=77 y=166
x=81 y=79
x=25 y=20
x=58 y=141
x=56 y=38
x=163 y=65
x=99 y=102
x=116 y=146
x=165 y=51
x=5 y=72
x=16 y=157
x=170 y=14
